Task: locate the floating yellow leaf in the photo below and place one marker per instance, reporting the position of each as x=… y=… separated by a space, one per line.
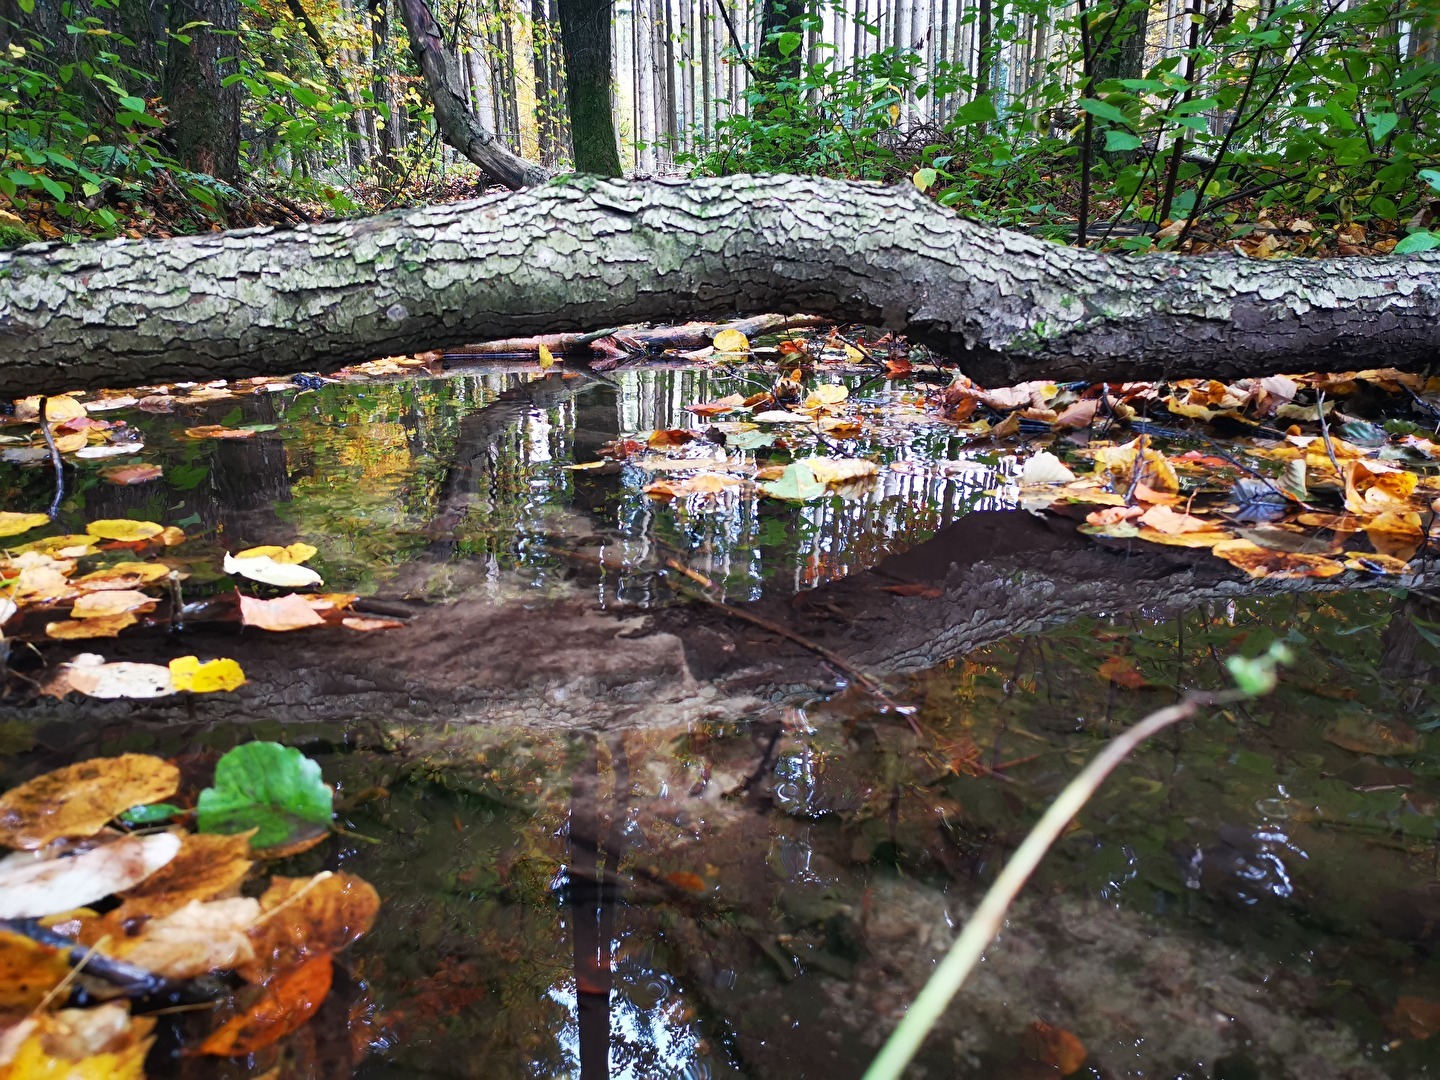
x=187 y=673
x=101 y=1043
x=547 y=358
x=57 y=409
x=1398 y=534
x=294 y=553
x=99 y=627
x=828 y=394
x=123 y=529
x=731 y=341
x=80 y=799
x=28 y=971
x=1371 y=487
x=13 y=524
x=1368 y=562
x=69 y=545
x=123 y=575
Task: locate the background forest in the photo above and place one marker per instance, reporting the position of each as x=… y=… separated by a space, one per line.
x=1135 y=123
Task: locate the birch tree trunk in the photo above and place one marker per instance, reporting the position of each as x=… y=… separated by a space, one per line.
x=586 y=254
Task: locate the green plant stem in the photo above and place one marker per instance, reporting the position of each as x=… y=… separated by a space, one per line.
x=986 y=922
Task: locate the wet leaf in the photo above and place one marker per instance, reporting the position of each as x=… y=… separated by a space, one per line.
x=79 y=800
x=1121 y=672
x=731 y=341
x=1362 y=734
x=840 y=470
x=1258 y=500
x=28 y=971
x=269 y=572
x=1261 y=562
x=59 y=408
x=1163 y=519
x=704 y=483
x=1372 y=488
x=217 y=431
x=827 y=394
x=273 y=789
x=668 y=437
x=1045 y=468
x=125 y=575
x=1057 y=1047
x=308 y=917
x=90 y=675
x=780 y=416
x=100 y=1043
x=367 y=625
x=1416 y=1017
x=107 y=626
x=286 y=613
x=547 y=358
x=132 y=474
x=123 y=529
x=188 y=673
x=1397 y=534
x=13 y=524
x=687 y=881
x=100 y=605
x=207 y=866
x=293 y=553
x=287 y=1002
x=1368 y=562
x=196 y=938
x=796 y=484
x=31 y=887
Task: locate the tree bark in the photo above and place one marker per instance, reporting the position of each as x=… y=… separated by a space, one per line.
x=590 y=253
x=205 y=110
x=585 y=39
x=457 y=122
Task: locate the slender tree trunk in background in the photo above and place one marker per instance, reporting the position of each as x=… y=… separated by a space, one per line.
x=207 y=140
x=585 y=36
x=389 y=129
x=1124 y=55
x=775 y=16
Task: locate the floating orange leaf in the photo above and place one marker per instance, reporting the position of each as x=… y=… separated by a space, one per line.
x=132 y=474
x=285 y=1004
x=218 y=431
x=285 y=613
x=1121 y=672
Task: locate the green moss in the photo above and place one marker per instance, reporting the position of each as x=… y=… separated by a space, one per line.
x=13 y=236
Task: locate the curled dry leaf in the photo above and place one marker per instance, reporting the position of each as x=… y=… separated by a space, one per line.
x=1045 y=468
x=285 y=1004
x=731 y=341
x=32 y=887
x=841 y=470
x=306 y=917
x=79 y=800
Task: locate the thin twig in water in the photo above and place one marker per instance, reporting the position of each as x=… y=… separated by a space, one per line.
x=55 y=461
x=1325 y=432
x=985 y=923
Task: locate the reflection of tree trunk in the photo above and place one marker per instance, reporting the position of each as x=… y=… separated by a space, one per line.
x=598 y=253
x=1404 y=652
x=593 y=897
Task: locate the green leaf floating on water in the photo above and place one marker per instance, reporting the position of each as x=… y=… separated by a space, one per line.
x=797 y=483
x=269 y=787
x=150 y=814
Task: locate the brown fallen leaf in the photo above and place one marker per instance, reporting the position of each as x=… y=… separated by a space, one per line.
x=284 y=613
x=366 y=625
x=1057 y=1047
x=108 y=602
x=1361 y=734
x=1261 y=562
x=132 y=474
x=28 y=971
x=1163 y=519
x=1417 y=1017
x=1121 y=672
x=285 y=1004
x=217 y=431
x=103 y=627
x=80 y=799
x=305 y=917
x=195 y=939
x=208 y=866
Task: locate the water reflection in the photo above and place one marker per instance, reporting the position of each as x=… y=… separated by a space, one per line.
x=390 y=479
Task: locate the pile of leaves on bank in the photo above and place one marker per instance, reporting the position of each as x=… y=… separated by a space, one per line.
x=116 y=904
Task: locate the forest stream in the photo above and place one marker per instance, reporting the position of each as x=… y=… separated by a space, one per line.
x=703 y=786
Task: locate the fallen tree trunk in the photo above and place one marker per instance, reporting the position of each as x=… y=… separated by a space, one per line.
x=587 y=253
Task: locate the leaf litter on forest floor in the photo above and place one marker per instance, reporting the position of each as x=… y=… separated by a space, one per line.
x=175 y=903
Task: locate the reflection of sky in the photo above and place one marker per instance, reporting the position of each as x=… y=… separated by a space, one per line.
x=644 y=1043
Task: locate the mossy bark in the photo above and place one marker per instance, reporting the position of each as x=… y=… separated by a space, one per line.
x=585 y=38
x=592 y=253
